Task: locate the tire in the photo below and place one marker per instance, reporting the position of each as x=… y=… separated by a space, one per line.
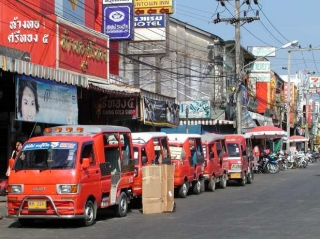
x=289 y=165
x=212 y=184
x=183 y=190
x=223 y=181
x=196 y=187
x=243 y=181
x=249 y=178
x=122 y=207
x=26 y=222
x=89 y=214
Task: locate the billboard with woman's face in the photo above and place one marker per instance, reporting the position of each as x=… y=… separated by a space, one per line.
x=45 y=101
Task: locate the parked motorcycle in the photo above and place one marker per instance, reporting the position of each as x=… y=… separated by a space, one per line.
x=268 y=164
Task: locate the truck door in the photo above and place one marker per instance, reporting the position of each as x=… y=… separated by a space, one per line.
x=90 y=177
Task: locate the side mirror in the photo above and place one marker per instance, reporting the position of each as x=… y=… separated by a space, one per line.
x=85 y=163
x=144 y=159
x=11 y=162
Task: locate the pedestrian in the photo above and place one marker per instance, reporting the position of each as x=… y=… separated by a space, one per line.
x=14 y=155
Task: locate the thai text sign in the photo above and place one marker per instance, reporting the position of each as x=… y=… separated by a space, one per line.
x=153 y=6
x=117 y=106
x=82 y=51
x=45 y=101
x=117 y=21
x=150 y=27
x=260 y=66
x=23 y=30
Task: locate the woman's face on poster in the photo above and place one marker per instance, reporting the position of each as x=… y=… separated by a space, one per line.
x=28 y=106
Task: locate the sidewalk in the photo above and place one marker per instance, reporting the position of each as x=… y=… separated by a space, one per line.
x=3 y=209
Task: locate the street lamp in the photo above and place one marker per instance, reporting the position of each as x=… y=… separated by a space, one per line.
x=239 y=106
x=288 y=96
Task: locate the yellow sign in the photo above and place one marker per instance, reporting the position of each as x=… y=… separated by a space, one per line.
x=153 y=7
x=152 y=4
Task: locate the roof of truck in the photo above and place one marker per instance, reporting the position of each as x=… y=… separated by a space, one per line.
x=87 y=129
x=211 y=137
x=143 y=137
x=182 y=137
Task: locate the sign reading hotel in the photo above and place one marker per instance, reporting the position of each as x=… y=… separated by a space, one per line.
x=117 y=21
x=82 y=51
x=150 y=27
x=153 y=6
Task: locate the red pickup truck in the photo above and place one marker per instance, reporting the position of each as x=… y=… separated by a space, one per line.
x=215 y=167
x=187 y=156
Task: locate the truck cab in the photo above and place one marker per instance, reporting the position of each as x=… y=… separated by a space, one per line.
x=215 y=167
x=70 y=172
x=187 y=157
x=238 y=160
x=149 y=148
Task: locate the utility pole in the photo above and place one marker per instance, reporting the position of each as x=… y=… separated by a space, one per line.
x=236 y=21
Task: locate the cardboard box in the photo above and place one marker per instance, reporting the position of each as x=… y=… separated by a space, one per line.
x=151 y=205
x=158 y=188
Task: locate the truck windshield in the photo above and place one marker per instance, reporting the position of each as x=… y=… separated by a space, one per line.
x=47 y=155
x=233 y=150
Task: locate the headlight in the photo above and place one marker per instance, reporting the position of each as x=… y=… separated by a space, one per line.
x=16 y=189
x=68 y=188
x=236 y=166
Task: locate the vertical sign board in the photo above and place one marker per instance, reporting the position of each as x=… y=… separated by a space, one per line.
x=117 y=21
x=150 y=27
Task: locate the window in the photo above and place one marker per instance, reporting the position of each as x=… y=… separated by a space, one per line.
x=87 y=152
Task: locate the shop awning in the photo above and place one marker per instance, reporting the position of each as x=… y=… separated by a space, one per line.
x=35 y=70
x=262 y=120
x=218 y=118
x=114 y=88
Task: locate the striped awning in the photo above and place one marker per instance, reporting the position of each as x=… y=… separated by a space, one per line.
x=206 y=122
x=116 y=89
x=35 y=70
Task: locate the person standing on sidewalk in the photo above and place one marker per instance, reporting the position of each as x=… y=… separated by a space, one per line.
x=14 y=155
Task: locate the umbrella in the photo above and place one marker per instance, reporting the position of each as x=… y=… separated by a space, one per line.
x=298 y=138
x=266 y=131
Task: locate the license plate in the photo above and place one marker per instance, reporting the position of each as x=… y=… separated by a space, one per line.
x=235 y=175
x=37 y=205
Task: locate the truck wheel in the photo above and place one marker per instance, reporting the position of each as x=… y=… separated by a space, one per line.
x=243 y=181
x=249 y=178
x=25 y=222
x=183 y=190
x=197 y=187
x=212 y=184
x=89 y=214
x=223 y=181
x=122 y=207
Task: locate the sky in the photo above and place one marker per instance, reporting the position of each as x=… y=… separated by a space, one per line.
x=281 y=21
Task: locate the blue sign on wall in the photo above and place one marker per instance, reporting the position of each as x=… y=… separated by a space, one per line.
x=117 y=21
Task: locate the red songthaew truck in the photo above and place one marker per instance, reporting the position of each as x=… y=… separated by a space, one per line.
x=215 y=167
x=149 y=148
x=71 y=172
x=240 y=166
x=187 y=156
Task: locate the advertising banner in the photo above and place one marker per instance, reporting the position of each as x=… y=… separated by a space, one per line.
x=45 y=101
x=160 y=113
x=117 y=106
x=150 y=27
x=114 y=2
x=199 y=109
x=117 y=21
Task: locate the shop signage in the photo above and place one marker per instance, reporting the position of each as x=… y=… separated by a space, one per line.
x=153 y=6
x=117 y=21
x=82 y=51
x=117 y=107
x=199 y=109
x=150 y=27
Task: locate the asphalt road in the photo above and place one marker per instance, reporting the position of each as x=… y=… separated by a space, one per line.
x=284 y=205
